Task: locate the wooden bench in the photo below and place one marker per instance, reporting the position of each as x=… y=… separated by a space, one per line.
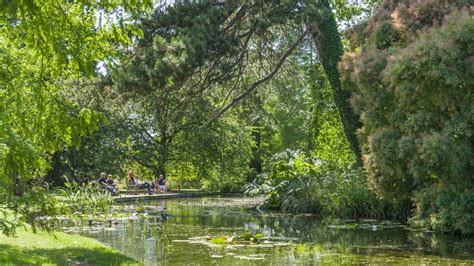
x=132 y=189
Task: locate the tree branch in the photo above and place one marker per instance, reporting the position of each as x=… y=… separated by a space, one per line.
x=258 y=82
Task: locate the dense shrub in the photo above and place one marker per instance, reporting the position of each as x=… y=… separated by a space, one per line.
x=298 y=184
x=413 y=88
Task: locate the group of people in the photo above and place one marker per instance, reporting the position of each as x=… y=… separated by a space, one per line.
x=158 y=185
x=108 y=183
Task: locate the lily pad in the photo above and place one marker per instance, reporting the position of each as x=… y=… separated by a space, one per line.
x=219 y=240
x=246 y=236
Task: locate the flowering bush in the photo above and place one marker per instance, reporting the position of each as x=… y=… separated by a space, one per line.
x=413 y=83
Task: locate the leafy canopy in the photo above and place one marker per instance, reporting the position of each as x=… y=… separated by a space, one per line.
x=43 y=46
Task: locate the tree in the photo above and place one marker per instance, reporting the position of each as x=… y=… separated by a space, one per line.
x=412 y=79
x=327 y=39
x=44 y=45
x=260 y=18
x=179 y=73
x=224 y=50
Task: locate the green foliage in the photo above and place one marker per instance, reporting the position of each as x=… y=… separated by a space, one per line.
x=193 y=58
x=350 y=12
x=326 y=36
x=34 y=207
x=89 y=199
x=416 y=100
x=325 y=182
x=277 y=113
x=217 y=157
x=385 y=36
x=106 y=150
x=288 y=105
x=177 y=40
x=328 y=140
x=297 y=184
x=45 y=45
x=162 y=76
x=35 y=119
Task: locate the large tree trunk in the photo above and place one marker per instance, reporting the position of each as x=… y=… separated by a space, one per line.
x=323 y=30
x=53 y=177
x=256 y=161
x=163 y=151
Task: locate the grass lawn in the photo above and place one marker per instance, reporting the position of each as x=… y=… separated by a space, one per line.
x=62 y=249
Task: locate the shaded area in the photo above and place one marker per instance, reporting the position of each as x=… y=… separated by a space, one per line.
x=64 y=256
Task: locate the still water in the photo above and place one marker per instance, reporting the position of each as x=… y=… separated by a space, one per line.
x=178 y=232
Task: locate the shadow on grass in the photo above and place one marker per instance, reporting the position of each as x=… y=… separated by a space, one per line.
x=12 y=255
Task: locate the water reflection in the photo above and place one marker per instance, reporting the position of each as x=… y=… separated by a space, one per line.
x=292 y=239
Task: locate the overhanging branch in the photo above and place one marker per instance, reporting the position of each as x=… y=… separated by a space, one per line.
x=254 y=85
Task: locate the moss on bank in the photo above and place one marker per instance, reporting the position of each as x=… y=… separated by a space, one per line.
x=61 y=249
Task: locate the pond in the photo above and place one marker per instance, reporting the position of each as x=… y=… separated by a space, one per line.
x=182 y=231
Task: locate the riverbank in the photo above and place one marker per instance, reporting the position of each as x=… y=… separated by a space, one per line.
x=61 y=249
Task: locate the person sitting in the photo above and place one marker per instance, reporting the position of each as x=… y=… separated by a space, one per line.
x=157 y=182
x=131 y=177
x=103 y=182
x=154 y=185
x=162 y=184
x=110 y=182
x=134 y=179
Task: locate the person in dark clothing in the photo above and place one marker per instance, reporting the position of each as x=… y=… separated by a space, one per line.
x=103 y=182
x=162 y=183
x=159 y=184
x=110 y=182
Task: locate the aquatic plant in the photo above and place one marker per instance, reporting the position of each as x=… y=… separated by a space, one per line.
x=81 y=199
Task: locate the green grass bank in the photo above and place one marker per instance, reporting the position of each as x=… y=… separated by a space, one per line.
x=28 y=248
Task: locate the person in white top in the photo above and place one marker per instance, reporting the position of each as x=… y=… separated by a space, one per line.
x=134 y=179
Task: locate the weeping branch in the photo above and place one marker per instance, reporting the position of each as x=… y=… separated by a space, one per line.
x=254 y=85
